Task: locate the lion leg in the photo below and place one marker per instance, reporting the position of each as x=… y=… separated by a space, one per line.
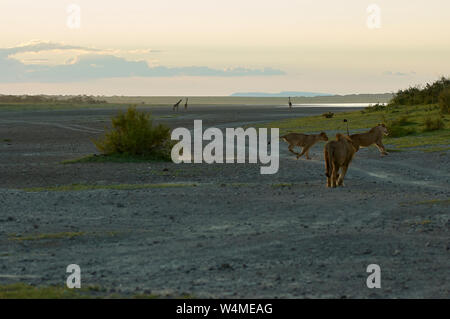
x=328 y=174
x=334 y=175
x=291 y=149
x=307 y=152
x=328 y=181
x=304 y=150
x=327 y=166
x=381 y=148
x=340 y=181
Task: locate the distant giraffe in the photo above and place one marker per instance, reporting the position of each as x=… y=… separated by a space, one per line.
x=186 y=104
x=290 y=103
x=177 y=104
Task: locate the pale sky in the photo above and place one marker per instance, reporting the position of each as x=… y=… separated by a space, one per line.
x=218 y=47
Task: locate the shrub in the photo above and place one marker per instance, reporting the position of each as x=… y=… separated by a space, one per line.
x=433 y=124
x=375 y=108
x=133 y=134
x=402 y=120
x=396 y=127
x=444 y=101
x=328 y=115
x=429 y=94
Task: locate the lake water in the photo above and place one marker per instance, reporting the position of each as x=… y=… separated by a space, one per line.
x=330 y=105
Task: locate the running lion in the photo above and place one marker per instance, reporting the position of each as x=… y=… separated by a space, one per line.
x=374 y=136
x=304 y=141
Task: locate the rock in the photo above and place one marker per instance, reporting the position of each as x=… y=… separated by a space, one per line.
x=226 y=266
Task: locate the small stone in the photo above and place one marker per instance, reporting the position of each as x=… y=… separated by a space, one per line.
x=226 y=266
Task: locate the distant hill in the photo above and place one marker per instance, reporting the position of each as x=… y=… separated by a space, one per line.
x=280 y=94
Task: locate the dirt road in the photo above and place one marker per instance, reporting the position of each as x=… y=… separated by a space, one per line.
x=218 y=230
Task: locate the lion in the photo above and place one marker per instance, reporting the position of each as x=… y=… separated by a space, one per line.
x=304 y=141
x=374 y=136
x=338 y=155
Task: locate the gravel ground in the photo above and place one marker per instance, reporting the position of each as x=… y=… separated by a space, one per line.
x=236 y=233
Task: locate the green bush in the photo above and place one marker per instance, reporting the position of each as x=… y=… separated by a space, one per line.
x=375 y=108
x=444 y=101
x=433 y=124
x=428 y=94
x=396 y=128
x=133 y=134
x=402 y=121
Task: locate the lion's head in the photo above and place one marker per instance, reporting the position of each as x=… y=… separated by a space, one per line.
x=323 y=136
x=382 y=127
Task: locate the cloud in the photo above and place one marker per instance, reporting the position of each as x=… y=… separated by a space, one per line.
x=38 y=46
x=390 y=73
x=97 y=64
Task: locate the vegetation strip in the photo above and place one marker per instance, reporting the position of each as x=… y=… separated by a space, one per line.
x=62 y=235
x=84 y=187
x=25 y=291
x=116 y=158
x=443 y=202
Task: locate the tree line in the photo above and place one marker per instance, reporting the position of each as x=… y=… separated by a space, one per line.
x=428 y=94
x=43 y=99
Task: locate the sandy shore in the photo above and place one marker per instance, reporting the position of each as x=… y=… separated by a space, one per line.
x=236 y=233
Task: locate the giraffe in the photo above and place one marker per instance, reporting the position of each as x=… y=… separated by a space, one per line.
x=177 y=104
